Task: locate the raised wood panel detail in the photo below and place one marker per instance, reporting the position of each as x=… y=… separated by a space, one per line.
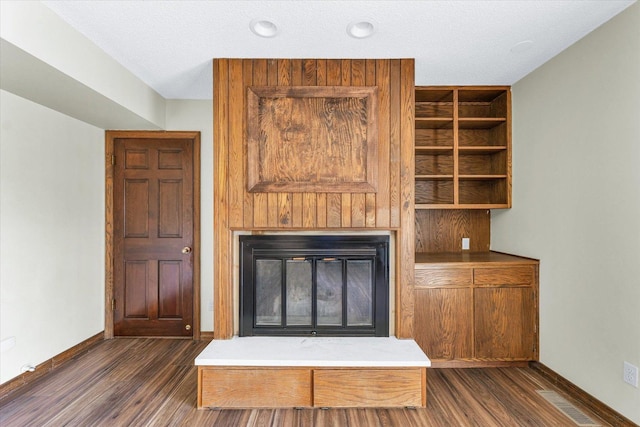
x=169 y=289
x=223 y=194
x=136 y=196
x=405 y=255
x=310 y=138
x=169 y=159
x=136 y=159
x=170 y=208
x=444 y=323
x=388 y=207
x=250 y=388
x=136 y=276
x=344 y=388
x=442 y=230
x=315 y=208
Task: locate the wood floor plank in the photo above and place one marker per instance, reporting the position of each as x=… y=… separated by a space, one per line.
x=152 y=382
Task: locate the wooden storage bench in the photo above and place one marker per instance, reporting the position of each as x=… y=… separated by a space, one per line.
x=272 y=372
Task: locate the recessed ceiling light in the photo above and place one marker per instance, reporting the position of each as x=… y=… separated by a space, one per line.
x=263 y=28
x=361 y=29
x=522 y=46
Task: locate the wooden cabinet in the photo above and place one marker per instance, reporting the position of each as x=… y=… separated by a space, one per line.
x=471 y=308
x=241 y=387
x=271 y=387
x=374 y=388
x=476 y=309
x=462 y=147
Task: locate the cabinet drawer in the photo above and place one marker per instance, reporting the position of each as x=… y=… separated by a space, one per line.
x=378 y=388
x=443 y=277
x=254 y=388
x=503 y=276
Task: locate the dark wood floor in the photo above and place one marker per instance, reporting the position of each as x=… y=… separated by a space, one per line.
x=152 y=382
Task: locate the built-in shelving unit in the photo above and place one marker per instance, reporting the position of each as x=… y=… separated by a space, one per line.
x=473 y=307
x=463 y=147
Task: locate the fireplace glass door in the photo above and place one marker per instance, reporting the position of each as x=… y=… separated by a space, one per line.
x=293 y=285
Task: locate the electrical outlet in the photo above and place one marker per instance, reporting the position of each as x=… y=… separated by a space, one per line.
x=465 y=243
x=630 y=374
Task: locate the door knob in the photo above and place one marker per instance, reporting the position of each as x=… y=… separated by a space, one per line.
x=186 y=250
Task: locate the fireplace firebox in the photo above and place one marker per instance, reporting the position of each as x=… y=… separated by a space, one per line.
x=324 y=285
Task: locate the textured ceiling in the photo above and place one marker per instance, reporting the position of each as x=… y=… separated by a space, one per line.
x=169 y=44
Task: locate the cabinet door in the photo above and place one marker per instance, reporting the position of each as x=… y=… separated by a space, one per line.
x=443 y=322
x=504 y=323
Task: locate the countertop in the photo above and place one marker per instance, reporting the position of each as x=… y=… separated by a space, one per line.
x=314 y=352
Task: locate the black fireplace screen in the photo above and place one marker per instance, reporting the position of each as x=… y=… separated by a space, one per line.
x=314 y=285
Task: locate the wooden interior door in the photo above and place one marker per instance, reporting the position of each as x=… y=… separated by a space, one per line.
x=153 y=237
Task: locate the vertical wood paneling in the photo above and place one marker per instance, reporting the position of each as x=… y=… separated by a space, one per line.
x=284 y=209
x=285 y=200
x=273 y=201
x=358 y=71
x=223 y=293
x=382 y=197
x=358 y=207
x=297 y=208
x=322 y=210
x=389 y=208
x=405 y=266
x=345 y=207
x=395 y=121
x=236 y=139
x=334 y=200
x=309 y=200
x=321 y=72
x=334 y=210
x=296 y=72
x=284 y=72
x=334 y=72
x=322 y=205
x=273 y=210
x=442 y=230
x=358 y=200
x=370 y=202
x=309 y=72
x=309 y=209
x=260 y=201
x=247 y=79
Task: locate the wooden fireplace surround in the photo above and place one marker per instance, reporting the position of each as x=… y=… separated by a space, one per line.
x=384 y=204
x=364 y=110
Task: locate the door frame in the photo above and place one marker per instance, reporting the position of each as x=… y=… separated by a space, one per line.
x=110 y=137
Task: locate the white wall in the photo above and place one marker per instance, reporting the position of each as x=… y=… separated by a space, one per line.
x=197 y=115
x=51 y=232
x=576 y=206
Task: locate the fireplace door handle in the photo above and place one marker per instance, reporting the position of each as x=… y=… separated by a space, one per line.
x=186 y=250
